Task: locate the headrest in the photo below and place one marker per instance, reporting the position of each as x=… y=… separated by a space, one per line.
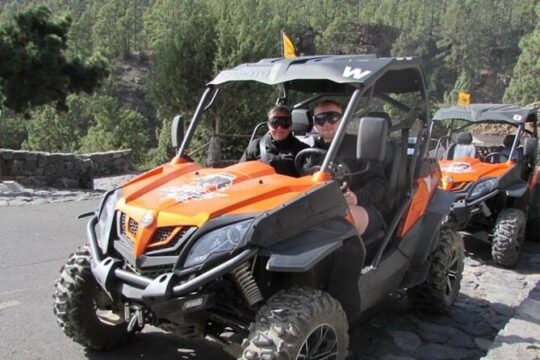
x=464 y=138
x=302 y=121
x=380 y=114
x=509 y=141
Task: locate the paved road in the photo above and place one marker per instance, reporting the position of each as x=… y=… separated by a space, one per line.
x=35 y=241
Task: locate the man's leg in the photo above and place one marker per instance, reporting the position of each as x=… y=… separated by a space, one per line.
x=360 y=217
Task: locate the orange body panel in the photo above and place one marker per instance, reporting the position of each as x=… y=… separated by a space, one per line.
x=183 y=194
x=425 y=188
x=457 y=174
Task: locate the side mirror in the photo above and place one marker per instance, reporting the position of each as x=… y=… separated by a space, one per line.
x=530 y=147
x=177 y=131
x=372 y=138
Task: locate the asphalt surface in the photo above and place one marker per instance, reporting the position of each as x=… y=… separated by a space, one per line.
x=35 y=242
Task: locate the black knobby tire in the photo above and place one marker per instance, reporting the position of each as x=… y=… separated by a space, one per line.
x=75 y=303
x=508 y=237
x=441 y=287
x=297 y=321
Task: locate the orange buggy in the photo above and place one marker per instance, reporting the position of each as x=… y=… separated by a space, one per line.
x=496 y=179
x=267 y=265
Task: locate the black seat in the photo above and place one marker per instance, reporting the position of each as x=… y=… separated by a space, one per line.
x=508 y=142
x=302 y=121
x=462 y=148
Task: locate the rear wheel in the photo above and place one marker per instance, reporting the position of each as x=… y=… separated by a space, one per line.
x=441 y=287
x=508 y=237
x=83 y=310
x=298 y=323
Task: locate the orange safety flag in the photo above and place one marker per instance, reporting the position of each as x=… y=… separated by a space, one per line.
x=288 y=48
x=464 y=98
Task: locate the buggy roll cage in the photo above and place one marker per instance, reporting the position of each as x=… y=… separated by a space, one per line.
x=373 y=77
x=487 y=114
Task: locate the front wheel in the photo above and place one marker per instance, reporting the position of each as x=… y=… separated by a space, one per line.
x=441 y=287
x=508 y=237
x=83 y=310
x=298 y=323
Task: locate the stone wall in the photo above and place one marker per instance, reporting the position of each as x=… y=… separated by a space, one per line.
x=41 y=169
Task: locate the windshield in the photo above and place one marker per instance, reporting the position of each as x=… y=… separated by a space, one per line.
x=229 y=117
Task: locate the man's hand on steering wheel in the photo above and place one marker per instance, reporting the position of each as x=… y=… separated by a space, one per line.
x=309 y=161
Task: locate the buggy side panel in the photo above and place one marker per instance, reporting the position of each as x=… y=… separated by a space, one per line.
x=329 y=256
x=301 y=252
x=316 y=206
x=426 y=232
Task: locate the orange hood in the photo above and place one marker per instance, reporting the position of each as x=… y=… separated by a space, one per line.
x=456 y=174
x=185 y=195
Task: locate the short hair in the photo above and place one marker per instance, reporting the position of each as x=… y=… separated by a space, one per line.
x=329 y=102
x=282 y=108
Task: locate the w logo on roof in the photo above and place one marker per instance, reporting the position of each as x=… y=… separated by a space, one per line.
x=355 y=73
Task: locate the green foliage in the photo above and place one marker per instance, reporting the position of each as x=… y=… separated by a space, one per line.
x=525 y=85
x=51 y=131
x=116 y=128
x=34 y=70
x=183 y=54
x=464 y=45
x=12 y=130
x=164 y=151
x=118 y=27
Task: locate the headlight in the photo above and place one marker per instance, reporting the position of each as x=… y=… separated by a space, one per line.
x=105 y=219
x=221 y=240
x=482 y=188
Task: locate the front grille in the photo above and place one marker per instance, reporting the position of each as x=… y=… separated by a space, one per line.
x=173 y=246
x=166 y=244
x=162 y=234
x=128 y=225
x=133 y=227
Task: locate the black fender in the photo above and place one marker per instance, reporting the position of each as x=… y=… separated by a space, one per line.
x=517 y=189
x=303 y=251
x=341 y=253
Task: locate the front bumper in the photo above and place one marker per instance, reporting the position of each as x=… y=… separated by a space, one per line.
x=463 y=210
x=115 y=280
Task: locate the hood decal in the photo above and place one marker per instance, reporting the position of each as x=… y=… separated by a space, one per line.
x=208 y=187
x=458 y=168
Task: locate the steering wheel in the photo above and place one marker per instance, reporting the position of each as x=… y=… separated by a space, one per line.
x=309 y=161
x=495 y=157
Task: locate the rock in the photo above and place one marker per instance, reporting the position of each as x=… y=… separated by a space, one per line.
x=406 y=340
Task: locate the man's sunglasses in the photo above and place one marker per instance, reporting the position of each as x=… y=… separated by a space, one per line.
x=330 y=116
x=283 y=122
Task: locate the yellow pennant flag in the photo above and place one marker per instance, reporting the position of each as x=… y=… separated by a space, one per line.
x=288 y=48
x=464 y=98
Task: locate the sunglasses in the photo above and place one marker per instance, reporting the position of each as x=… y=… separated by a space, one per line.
x=330 y=116
x=283 y=122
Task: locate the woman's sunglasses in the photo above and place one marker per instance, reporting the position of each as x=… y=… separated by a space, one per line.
x=283 y=122
x=330 y=116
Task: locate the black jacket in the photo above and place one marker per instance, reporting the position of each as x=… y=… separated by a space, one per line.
x=369 y=187
x=279 y=154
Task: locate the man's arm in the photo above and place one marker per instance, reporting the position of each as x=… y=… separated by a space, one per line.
x=373 y=186
x=252 y=151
